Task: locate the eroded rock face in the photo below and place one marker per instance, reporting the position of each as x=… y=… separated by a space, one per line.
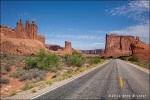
x=117 y=46
x=30 y=31
x=141 y=50
x=68 y=48
x=21 y=40
x=20 y=46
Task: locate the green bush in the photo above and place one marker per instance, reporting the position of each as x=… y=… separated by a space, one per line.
x=95 y=60
x=30 y=63
x=123 y=58
x=133 y=58
x=76 y=59
x=44 y=61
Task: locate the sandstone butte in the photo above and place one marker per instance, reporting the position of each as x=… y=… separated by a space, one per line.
x=26 y=40
x=61 y=50
x=117 y=46
x=21 y=40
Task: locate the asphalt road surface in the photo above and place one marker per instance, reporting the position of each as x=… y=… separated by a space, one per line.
x=113 y=80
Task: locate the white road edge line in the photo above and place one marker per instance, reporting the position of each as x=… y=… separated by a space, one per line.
x=68 y=81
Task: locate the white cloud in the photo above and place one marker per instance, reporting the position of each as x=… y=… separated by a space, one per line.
x=87 y=37
x=138 y=10
x=141 y=30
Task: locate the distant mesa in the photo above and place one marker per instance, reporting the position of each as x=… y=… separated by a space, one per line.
x=61 y=50
x=96 y=51
x=117 y=46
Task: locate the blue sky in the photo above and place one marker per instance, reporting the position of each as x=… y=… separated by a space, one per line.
x=83 y=23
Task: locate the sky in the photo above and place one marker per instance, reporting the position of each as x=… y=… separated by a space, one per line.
x=83 y=23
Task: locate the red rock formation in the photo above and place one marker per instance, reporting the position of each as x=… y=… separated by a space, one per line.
x=141 y=50
x=53 y=47
x=21 y=32
x=68 y=49
x=20 y=46
x=21 y=40
x=96 y=51
x=60 y=50
x=125 y=46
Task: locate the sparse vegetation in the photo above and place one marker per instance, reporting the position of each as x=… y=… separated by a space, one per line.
x=32 y=69
x=33 y=91
x=133 y=58
x=123 y=58
x=44 y=61
x=76 y=59
x=49 y=81
x=13 y=93
x=95 y=60
x=28 y=85
x=7 y=68
x=5 y=80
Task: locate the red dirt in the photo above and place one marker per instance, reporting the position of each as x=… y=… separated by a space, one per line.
x=14 y=85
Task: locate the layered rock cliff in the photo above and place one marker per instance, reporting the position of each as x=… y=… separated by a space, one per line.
x=117 y=46
x=21 y=40
x=30 y=31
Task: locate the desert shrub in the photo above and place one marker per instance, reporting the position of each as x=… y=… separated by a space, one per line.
x=44 y=61
x=30 y=63
x=28 y=85
x=48 y=61
x=17 y=74
x=123 y=58
x=33 y=74
x=33 y=91
x=7 y=68
x=133 y=58
x=76 y=59
x=50 y=82
x=5 y=80
x=24 y=77
x=95 y=60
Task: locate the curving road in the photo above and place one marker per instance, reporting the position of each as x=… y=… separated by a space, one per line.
x=113 y=80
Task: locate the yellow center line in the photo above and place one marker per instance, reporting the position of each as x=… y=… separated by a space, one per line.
x=121 y=82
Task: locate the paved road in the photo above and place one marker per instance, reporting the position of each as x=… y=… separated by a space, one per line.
x=114 y=80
